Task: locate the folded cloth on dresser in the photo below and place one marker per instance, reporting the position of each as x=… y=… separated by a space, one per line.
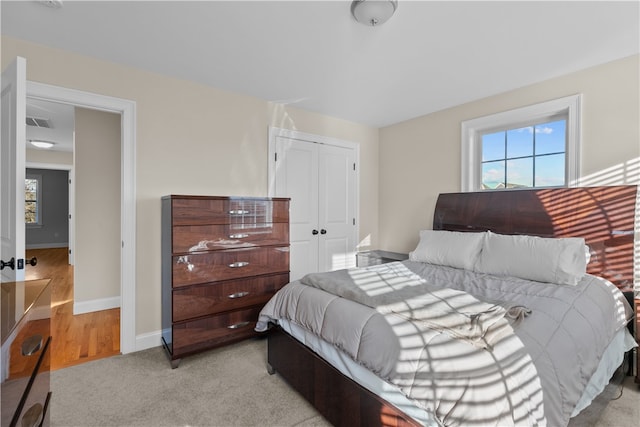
x=393 y=288
x=533 y=376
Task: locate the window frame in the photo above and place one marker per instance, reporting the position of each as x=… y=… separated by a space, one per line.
x=471 y=142
x=38 y=222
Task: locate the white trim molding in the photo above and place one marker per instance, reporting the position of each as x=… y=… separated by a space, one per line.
x=127 y=110
x=471 y=129
x=148 y=340
x=82 y=307
x=47 y=245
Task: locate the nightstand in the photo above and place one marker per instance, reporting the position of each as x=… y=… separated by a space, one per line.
x=377 y=257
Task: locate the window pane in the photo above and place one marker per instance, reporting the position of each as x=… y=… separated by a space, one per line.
x=493 y=175
x=31 y=200
x=520 y=173
x=550 y=170
x=493 y=146
x=30 y=213
x=31 y=189
x=550 y=137
x=520 y=142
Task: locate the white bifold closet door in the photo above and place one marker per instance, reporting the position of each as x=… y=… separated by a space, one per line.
x=321 y=181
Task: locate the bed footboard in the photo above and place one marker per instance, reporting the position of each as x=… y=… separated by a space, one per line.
x=339 y=399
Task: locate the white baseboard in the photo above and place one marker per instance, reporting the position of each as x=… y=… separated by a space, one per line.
x=148 y=340
x=81 y=307
x=46 y=245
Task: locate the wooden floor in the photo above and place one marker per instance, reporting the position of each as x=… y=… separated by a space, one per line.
x=75 y=339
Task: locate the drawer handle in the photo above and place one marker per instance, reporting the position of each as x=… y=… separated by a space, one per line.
x=238 y=325
x=238 y=264
x=238 y=212
x=31 y=345
x=238 y=236
x=33 y=416
x=238 y=295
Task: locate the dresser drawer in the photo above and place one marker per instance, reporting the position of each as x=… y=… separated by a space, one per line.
x=202 y=300
x=229 y=264
x=193 y=211
x=193 y=336
x=198 y=238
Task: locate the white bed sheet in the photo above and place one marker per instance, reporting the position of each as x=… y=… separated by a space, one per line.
x=611 y=360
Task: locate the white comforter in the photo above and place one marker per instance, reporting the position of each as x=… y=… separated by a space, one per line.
x=534 y=376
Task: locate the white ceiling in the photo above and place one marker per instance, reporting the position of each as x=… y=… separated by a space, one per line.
x=429 y=56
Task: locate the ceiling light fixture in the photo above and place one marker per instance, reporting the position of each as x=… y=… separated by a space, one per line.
x=54 y=4
x=373 y=12
x=41 y=144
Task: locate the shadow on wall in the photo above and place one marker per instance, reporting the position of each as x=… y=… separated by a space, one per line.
x=623 y=173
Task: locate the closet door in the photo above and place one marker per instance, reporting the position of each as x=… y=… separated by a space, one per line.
x=336 y=243
x=320 y=179
x=297 y=177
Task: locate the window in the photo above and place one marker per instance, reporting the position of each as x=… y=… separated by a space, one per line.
x=531 y=156
x=535 y=146
x=32 y=191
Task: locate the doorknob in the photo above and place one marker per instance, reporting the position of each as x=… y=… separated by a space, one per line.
x=33 y=261
x=323 y=231
x=314 y=232
x=11 y=263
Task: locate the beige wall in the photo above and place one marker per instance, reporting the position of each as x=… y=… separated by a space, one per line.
x=50 y=157
x=420 y=158
x=97 y=205
x=192 y=139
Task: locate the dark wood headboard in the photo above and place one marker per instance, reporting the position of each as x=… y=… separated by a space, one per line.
x=603 y=216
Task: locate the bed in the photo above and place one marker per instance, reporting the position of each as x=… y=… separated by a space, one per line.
x=467 y=331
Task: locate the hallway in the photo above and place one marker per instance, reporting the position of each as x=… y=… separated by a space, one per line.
x=75 y=339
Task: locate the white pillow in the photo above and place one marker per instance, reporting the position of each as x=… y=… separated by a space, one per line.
x=450 y=248
x=550 y=260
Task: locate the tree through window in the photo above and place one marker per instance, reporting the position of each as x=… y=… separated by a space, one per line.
x=32 y=190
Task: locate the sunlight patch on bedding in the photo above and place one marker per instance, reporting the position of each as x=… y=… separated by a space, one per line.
x=469 y=378
x=386 y=278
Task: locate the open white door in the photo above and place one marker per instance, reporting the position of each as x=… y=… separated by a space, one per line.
x=12 y=170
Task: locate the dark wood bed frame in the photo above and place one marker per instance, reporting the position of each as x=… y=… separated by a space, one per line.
x=604 y=216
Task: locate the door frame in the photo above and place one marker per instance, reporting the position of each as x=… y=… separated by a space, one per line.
x=275 y=132
x=127 y=110
x=71 y=206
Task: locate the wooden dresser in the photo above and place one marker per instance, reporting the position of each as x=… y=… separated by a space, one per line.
x=223 y=258
x=26 y=338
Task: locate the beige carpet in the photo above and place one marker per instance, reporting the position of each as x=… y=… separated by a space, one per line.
x=223 y=387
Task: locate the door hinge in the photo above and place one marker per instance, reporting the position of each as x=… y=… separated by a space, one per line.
x=276 y=157
x=354 y=221
x=354 y=166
